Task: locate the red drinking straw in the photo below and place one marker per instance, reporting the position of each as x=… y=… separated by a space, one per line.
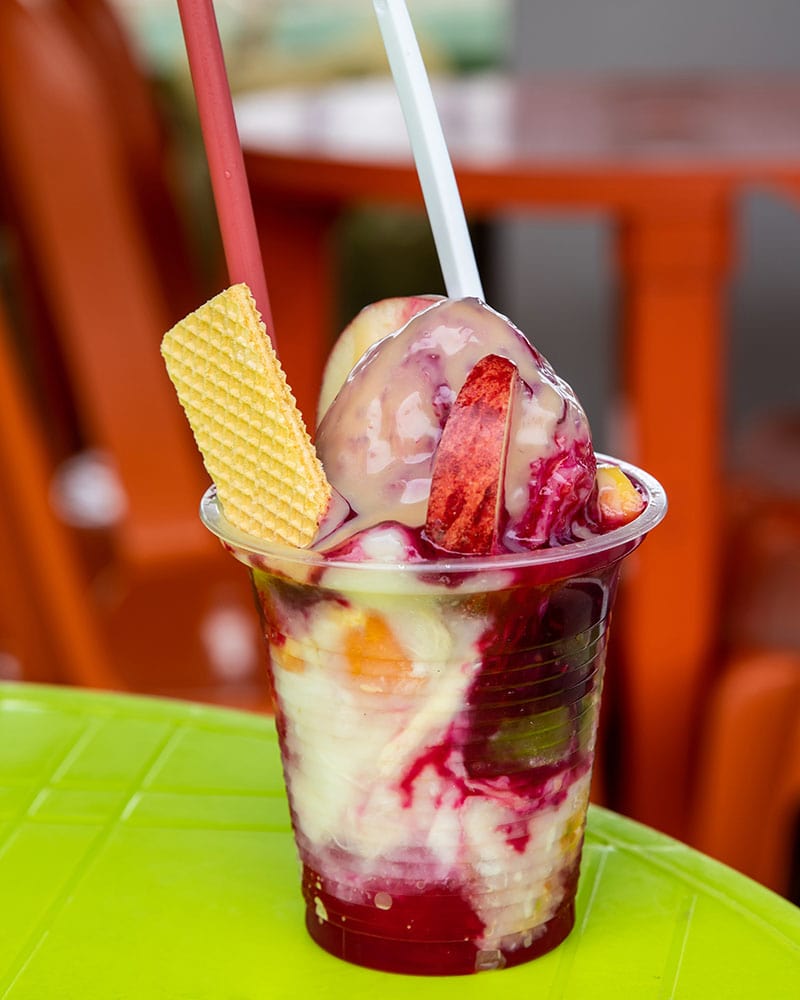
x=224 y=151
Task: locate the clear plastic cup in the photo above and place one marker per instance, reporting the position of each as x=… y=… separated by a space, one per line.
x=437 y=724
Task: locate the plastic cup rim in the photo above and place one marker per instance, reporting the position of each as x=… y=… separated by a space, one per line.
x=213 y=518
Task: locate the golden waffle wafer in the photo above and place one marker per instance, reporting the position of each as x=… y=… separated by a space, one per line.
x=248 y=428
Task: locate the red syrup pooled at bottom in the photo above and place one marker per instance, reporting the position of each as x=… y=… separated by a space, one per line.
x=432 y=932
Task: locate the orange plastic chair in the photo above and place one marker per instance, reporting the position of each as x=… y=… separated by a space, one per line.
x=47 y=626
x=150 y=152
x=167 y=593
x=68 y=184
x=747 y=793
x=779 y=865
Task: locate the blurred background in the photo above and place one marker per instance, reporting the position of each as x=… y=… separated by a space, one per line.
x=108 y=236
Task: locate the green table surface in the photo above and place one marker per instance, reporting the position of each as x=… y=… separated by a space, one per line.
x=145 y=852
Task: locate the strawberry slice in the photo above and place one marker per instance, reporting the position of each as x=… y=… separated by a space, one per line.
x=466 y=497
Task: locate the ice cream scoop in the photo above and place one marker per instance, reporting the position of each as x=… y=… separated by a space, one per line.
x=378 y=439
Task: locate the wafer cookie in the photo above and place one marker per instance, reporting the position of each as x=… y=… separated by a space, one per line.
x=248 y=428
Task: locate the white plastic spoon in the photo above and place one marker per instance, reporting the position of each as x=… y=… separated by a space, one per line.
x=434 y=168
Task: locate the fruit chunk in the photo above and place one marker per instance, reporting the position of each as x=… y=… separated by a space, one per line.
x=618 y=499
x=374 y=322
x=375 y=658
x=248 y=428
x=467 y=482
x=541 y=738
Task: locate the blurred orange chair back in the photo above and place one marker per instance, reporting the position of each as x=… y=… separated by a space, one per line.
x=151 y=155
x=73 y=206
x=68 y=182
x=747 y=791
x=46 y=621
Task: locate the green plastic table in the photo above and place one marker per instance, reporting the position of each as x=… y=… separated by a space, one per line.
x=145 y=852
